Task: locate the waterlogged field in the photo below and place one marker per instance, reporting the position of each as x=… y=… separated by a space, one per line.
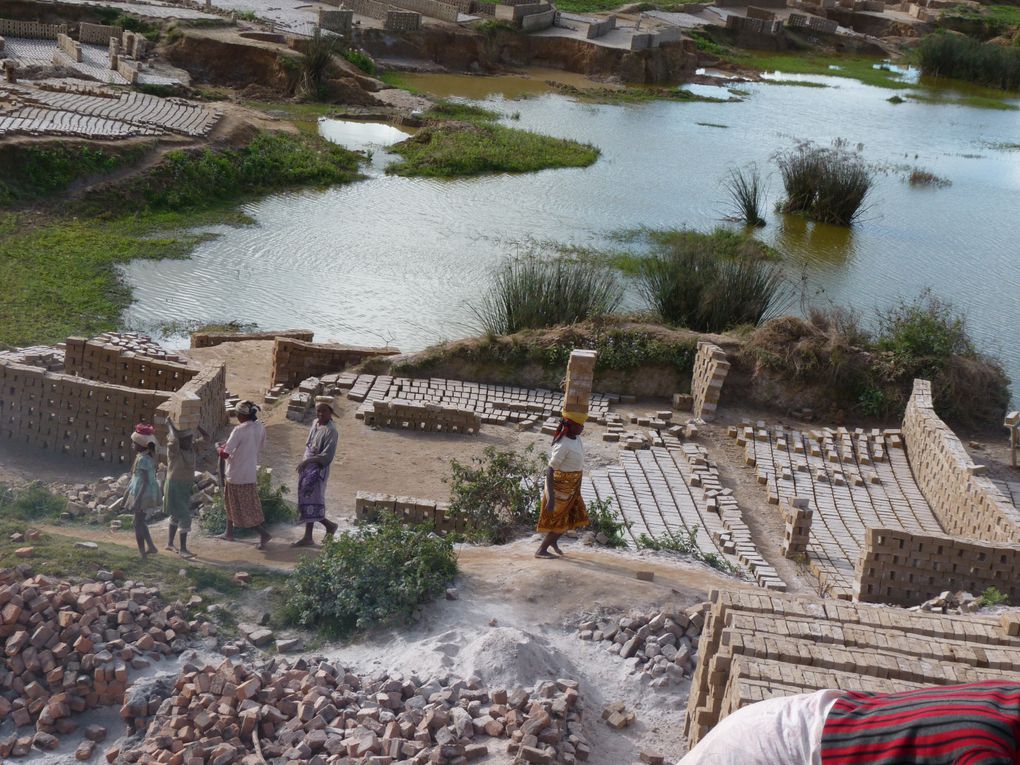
x=400 y=259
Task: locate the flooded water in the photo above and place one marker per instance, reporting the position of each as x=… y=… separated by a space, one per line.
x=400 y=260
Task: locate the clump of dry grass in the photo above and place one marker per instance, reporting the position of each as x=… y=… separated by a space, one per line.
x=920 y=177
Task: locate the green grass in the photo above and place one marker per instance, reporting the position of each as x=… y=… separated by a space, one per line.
x=460 y=111
x=36 y=171
x=854 y=68
x=474 y=149
x=1007 y=14
x=797 y=83
x=304 y=115
x=975 y=102
x=398 y=80
x=60 y=272
x=635 y=95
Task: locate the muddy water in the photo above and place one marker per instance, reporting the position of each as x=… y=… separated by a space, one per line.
x=400 y=259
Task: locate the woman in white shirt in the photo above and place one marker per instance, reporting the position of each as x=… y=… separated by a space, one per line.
x=562 y=506
x=240 y=492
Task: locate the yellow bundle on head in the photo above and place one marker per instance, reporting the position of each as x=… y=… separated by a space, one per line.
x=579 y=417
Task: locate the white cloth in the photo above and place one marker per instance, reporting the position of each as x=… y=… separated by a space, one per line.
x=243 y=446
x=567 y=455
x=780 y=731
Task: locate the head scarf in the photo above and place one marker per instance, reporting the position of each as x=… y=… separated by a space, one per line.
x=328 y=401
x=248 y=409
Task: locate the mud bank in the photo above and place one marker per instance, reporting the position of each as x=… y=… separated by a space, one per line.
x=466 y=50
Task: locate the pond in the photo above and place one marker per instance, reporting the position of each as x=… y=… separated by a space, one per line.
x=401 y=260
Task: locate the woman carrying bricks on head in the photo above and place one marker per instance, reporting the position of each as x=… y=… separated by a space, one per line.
x=240 y=490
x=313 y=471
x=180 y=481
x=562 y=506
x=143 y=489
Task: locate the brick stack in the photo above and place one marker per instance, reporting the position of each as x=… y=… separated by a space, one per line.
x=661 y=645
x=427 y=418
x=907 y=568
x=70 y=647
x=966 y=502
x=402 y=21
x=710 y=370
x=797 y=514
x=322 y=714
x=580 y=378
x=369 y=506
x=297 y=360
x=108 y=362
x=756 y=646
x=198 y=403
x=209 y=339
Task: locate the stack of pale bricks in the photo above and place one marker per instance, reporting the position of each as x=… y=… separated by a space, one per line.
x=369 y=506
x=209 y=339
x=757 y=646
x=282 y=712
x=422 y=417
x=710 y=370
x=905 y=568
x=297 y=360
x=797 y=514
x=70 y=647
x=402 y=21
x=580 y=378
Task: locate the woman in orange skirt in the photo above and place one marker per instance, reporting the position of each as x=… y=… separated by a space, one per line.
x=562 y=506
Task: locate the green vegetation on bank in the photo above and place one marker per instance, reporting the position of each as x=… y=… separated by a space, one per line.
x=870 y=71
x=463 y=140
x=35 y=171
x=950 y=55
x=634 y=95
x=377 y=574
x=60 y=270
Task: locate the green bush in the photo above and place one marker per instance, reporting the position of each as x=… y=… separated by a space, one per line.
x=274 y=507
x=826 y=185
x=361 y=60
x=604 y=519
x=534 y=293
x=992 y=597
x=496 y=493
x=375 y=574
x=29 y=172
x=923 y=334
x=34 y=503
x=951 y=55
x=691 y=281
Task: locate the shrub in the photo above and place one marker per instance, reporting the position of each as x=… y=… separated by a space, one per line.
x=605 y=520
x=922 y=334
x=950 y=55
x=33 y=503
x=533 y=293
x=685 y=544
x=689 y=283
x=372 y=575
x=318 y=55
x=274 y=507
x=919 y=177
x=747 y=194
x=826 y=185
x=992 y=597
x=496 y=493
x=361 y=60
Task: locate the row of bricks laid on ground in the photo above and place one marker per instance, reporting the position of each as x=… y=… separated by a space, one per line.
x=675 y=494
x=368 y=506
x=408 y=415
x=756 y=646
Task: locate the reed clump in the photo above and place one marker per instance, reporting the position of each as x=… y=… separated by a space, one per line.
x=746 y=191
x=963 y=58
x=828 y=185
x=533 y=293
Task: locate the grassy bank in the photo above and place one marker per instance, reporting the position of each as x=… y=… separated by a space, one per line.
x=464 y=140
x=29 y=172
x=635 y=95
x=60 y=268
x=867 y=70
x=949 y=55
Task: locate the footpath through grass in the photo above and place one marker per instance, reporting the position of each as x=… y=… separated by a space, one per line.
x=59 y=268
x=464 y=140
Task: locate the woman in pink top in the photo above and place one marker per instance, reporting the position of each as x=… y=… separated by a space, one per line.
x=240 y=490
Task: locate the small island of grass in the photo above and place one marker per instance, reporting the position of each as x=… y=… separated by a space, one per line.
x=463 y=140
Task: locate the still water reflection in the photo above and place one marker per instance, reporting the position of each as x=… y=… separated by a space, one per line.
x=400 y=259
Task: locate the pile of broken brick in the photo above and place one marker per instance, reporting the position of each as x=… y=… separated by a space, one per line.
x=70 y=647
x=319 y=713
x=662 y=645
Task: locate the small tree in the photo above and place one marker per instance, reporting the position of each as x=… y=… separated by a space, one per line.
x=496 y=493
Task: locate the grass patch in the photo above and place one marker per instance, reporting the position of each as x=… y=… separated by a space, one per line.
x=533 y=293
x=33 y=503
x=959 y=57
x=634 y=95
x=56 y=555
x=460 y=111
x=38 y=171
x=686 y=544
x=399 y=80
x=865 y=70
x=375 y=575
x=921 y=177
x=477 y=148
x=712 y=125
x=607 y=521
x=704 y=43
x=973 y=101
x=361 y=60
x=796 y=83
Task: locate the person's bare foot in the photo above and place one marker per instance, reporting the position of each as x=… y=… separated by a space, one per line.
x=263 y=541
x=225 y=537
x=543 y=554
x=556 y=549
x=303 y=543
x=186 y=554
x=152 y=551
x=170 y=548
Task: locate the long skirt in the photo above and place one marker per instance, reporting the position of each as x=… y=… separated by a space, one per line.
x=568 y=511
x=244 y=509
x=177 y=503
x=312 y=493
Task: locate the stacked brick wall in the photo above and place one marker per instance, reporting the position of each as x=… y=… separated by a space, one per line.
x=423 y=417
x=209 y=339
x=97 y=34
x=797 y=517
x=759 y=26
x=432 y=8
x=599 y=28
x=966 y=503
x=297 y=360
x=69 y=415
x=515 y=13
x=105 y=362
x=756 y=646
x=199 y=403
x=814 y=23
x=533 y=22
x=710 y=370
x=69 y=47
x=31 y=29
x=579 y=381
x=339 y=21
x=402 y=21
x=904 y=568
x=370 y=506
x=369 y=8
